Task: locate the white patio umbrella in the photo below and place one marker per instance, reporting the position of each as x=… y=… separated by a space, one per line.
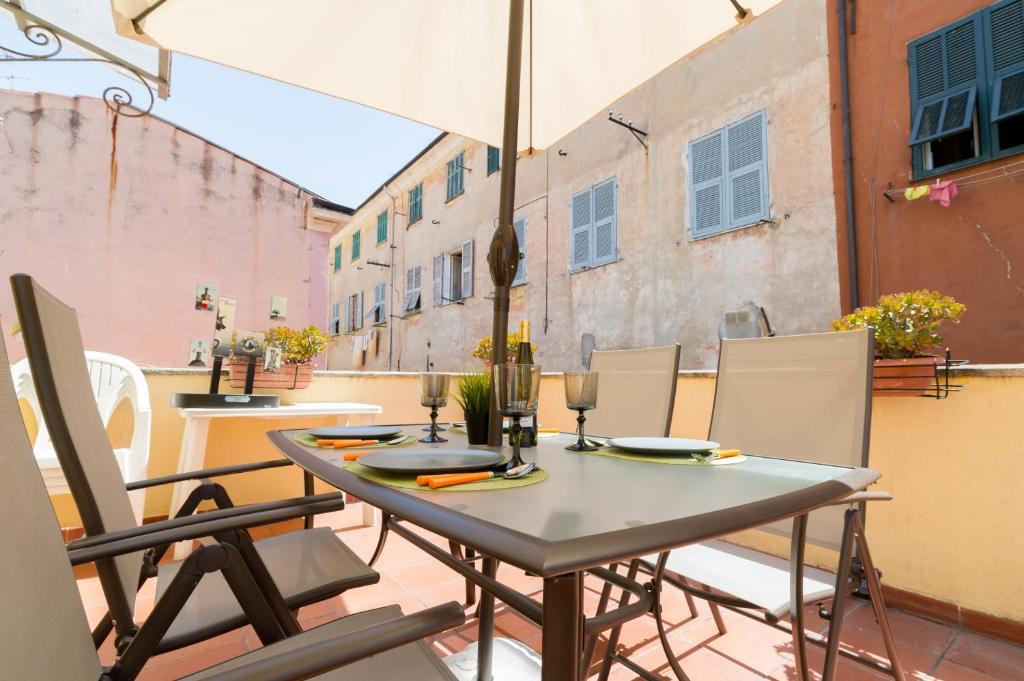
x=518 y=74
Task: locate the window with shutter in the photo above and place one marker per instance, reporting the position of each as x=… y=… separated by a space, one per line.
x=337 y=257
x=604 y=242
x=581 y=217
x=520 y=228
x=438 y=280
x=493 y=159
x=467 y=269
x=416 y=203
x=728 y=177
x=382 y=227
x=1004 y=29
x=455 y=176
x=335 y=323
x=357 y=318
x=380 y=308
x=356 y=238
x=348 y=314
x=412 y=289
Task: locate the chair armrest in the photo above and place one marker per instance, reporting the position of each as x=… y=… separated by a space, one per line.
x=154 y=535
x=207 y=473
x=315 y=659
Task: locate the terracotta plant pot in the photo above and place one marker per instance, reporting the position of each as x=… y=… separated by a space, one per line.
x=290 y=376
x=909 y=377
x=476 y=427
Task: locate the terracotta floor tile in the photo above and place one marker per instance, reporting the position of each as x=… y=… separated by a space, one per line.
x=164 y=667
x=951 y=671
x=999 y=660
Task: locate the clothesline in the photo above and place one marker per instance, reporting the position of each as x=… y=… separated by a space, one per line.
x=966 y=181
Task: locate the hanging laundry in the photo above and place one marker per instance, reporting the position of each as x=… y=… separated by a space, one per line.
x=943 y=192
x=912 y=193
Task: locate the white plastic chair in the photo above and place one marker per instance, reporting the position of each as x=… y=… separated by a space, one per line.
x=113 y=379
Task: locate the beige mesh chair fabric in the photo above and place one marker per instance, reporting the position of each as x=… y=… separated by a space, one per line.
x=636 y=391
x=76 y=420
x=799 y=397
x=45 y=631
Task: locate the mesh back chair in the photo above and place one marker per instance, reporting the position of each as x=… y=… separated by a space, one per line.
x=808 y=398
x=292 y=570
x=46 y=634
x=626 y=376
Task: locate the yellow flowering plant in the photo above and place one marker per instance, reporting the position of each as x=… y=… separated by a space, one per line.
x=299 y=347
x=906 y=324
x=486 y=346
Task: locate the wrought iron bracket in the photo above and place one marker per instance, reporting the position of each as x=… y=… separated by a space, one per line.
x=639 y=134
x=49 y=41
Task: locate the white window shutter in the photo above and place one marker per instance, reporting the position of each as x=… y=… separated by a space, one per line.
x=604 y=249
x=581 y=217
x=520 y=228
x=707 y=184
x=467 y=269
x=438 y=279
x=348 y=313
x=359 y=310
x=446 y=278
x=748 y=171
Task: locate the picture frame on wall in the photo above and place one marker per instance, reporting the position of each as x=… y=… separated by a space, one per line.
x=278 y=307
x=224 y=327
x=199 y=353
x=206 y=297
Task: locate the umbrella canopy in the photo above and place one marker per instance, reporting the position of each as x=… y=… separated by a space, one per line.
x=442 y=62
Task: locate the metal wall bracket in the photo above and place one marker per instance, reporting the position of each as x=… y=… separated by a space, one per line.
x=639 y=134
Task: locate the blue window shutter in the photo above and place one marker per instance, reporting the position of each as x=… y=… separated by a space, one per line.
x=1004 y=26
x=467 y=269
x=348 y=313
x=581 y=217
x=707 y=184
x=747 y=187
x=604 y=244
x=438 y=280
x=520 y=228
x=358 y=317
x=493 y=159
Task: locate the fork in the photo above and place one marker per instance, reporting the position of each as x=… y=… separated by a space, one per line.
x=702 y=458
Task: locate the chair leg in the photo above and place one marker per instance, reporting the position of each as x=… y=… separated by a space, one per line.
x=670 y=654
x=591 y=642
x=381 y=540
x=796 y=597
x=613 y=634
x=839 y=599
x=716 y=612
x=877 y=601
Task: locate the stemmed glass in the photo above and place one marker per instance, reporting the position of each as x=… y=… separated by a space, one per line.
x=516 y=387
x=581 y=395
x=434 y=394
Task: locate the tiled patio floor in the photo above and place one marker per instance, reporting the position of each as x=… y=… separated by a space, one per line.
x=750 y=650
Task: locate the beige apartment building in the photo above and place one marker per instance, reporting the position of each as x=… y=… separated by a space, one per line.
x=721 y=203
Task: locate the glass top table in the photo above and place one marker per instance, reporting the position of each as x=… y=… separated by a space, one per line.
x=591 y=511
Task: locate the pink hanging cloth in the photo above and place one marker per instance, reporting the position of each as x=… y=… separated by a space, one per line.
x=943 y=192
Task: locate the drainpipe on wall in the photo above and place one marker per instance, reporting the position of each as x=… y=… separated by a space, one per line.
x=851 y=217
x=391 y=268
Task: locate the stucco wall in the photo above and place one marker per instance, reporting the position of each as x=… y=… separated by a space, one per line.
x=123 y=217
x=973 y=250
x=665 y=287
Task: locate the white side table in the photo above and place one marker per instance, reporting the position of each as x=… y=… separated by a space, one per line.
x=197 y=428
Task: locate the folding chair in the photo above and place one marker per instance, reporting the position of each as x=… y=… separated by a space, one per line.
x=292 y=570
x=808 y=398
x=46 y=634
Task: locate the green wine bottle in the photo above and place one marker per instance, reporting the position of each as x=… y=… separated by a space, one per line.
x=524 y=355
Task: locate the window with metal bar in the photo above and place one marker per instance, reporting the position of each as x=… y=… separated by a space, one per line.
x=456 y=169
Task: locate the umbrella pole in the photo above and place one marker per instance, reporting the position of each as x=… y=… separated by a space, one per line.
x=503 y=256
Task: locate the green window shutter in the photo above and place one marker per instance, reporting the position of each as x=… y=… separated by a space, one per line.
x=747 y=185
x=946 y=69
x=604 y=241
x=356 y=238
x=520 y=228
x=337 y=257
x=493 y=159
x=455 y=173
x=706 y=190
x=1004 y=27
x=581 y=215
x=416 y=203
x=382 y=227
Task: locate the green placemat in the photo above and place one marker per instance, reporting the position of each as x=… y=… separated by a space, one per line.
x=310 y=441
x=673 y=460
x=402 y=481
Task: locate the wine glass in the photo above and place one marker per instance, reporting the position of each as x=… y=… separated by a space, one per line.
x=434 y=394
x=581 y=395
x=516 y=388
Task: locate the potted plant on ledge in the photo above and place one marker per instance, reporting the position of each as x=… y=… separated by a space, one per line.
x=473 y=394
x=298 y=349
x=906 y=328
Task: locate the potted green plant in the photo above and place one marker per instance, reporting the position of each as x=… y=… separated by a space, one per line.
x=906 y=328
x=473 y=394
x=298 y=348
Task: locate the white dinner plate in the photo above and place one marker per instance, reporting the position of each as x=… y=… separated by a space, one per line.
x=662 y=445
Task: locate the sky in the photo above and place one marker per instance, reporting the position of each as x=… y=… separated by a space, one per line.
x=340 y=150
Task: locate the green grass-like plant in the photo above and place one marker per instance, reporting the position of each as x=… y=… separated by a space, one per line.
x=473 y=392
x=906 y=324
